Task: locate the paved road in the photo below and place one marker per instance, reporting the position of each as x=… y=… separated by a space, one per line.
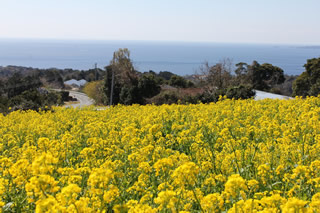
x=83 y=99
x=263 y=95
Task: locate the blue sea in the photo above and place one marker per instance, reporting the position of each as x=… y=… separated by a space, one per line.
x=182 y=58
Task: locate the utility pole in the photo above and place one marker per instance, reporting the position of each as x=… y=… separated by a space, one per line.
x=112 y=80
x=95 y=67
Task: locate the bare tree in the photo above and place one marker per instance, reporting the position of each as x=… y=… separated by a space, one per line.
x=218 y=76
x=123 y=72
x=123 y=67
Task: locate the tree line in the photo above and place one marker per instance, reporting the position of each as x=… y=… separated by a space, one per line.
x=120 y=83
x=25 y=93
x=124 y=85
x=24 y=88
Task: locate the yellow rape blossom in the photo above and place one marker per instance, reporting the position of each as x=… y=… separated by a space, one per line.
x=228 y=156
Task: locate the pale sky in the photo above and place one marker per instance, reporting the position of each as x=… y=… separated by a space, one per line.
x=239 y=21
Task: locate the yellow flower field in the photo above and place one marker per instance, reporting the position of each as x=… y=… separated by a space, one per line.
x=231 y=156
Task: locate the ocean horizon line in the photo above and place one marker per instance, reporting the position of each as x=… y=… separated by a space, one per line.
x=158 y=41
x=181 y=58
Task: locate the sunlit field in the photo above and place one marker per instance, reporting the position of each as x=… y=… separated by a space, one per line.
x=231 y=156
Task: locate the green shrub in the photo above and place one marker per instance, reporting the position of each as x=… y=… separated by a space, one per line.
x=240 y=92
